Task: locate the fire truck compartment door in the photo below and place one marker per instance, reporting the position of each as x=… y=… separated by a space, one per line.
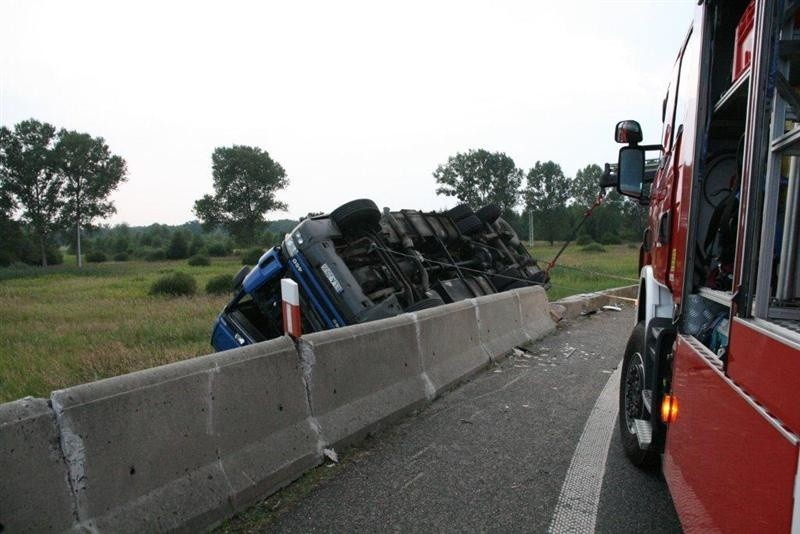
x=730 y=466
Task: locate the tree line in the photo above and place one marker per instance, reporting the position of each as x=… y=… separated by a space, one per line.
x=557 y=202
x=55 y=184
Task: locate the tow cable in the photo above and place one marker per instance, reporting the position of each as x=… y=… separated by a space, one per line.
x=586 y=215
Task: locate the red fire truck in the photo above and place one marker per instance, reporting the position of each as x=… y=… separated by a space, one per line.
x=711 y=373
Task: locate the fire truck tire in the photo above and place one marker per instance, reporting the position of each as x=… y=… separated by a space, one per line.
x=631 y=405
x=459 y=212
x=362 y=212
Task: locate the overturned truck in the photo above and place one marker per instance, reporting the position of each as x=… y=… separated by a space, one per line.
x=359 y=264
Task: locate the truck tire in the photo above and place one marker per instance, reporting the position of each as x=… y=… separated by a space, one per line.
x=506 y=277
x=469 y=225
x=356 y=213
x=459 y=212
x=631 y=405
x=424 y=304
x=240 y=276
x=489 y=213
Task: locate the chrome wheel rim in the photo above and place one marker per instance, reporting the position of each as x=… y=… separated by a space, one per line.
x=634 y=384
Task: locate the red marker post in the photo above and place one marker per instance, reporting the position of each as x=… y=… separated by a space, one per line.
x=290 y=296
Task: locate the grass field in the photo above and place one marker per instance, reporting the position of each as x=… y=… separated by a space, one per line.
x=617 y=266
x=63 y=326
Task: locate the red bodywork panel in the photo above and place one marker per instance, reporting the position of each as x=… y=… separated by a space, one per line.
x=760 y=363
x=729 y=469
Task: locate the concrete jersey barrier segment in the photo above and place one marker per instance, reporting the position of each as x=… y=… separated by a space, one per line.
x=449 y=343
x=575 y=305
x=500 y=323
x=362 y=376
x=34 y=489
x=182 y=446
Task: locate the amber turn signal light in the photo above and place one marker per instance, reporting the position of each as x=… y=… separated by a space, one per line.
x=669 y=409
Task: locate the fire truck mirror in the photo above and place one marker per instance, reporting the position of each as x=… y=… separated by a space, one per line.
x=628 y=132
x=630 y=171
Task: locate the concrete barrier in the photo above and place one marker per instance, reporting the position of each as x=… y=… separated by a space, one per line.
x=34 y=489
x=362 y=376
x=449 y=342
x=182 y=446
x=500 y=323
x=577 y=305
x=535 y=318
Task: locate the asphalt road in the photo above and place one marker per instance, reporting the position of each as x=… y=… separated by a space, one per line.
x=492 y=455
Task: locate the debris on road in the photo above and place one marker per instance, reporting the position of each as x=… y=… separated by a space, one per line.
x=331 y=455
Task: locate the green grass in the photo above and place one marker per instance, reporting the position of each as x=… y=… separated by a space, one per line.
x=62 y=326
x=570 y=275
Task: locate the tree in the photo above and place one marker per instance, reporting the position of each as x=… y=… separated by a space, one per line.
x=480 y=177
x=546 y=193
x=90 y=173
x=27 y=177
x=178 y=248
x=246 y=180
x=586 y=185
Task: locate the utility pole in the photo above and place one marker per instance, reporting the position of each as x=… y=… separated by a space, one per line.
x=530 y=227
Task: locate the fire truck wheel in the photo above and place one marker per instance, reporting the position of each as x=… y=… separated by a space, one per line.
x=631 y=405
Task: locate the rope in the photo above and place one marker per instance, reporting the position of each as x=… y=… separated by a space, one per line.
x=598 y=273
x=586 y=215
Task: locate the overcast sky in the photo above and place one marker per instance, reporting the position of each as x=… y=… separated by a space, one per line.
x=354 y=99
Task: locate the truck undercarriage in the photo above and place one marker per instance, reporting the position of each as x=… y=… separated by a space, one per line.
x=359 y=264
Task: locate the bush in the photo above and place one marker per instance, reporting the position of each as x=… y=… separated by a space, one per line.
x=175 y=284
x=220 y=284
x=217 y=249
x=251 y=256
x=593 y=247
x=199 y=261
x=611 y=239
x=96 y=257
x=583 y=239
x=198 y=245
x=634 y=245
x=178 y=246
x=156 y=255
x=121 y=256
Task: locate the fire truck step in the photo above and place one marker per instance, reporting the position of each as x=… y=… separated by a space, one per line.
x=647 y=399
x=644 y=432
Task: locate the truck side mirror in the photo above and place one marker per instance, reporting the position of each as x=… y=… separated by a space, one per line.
x=628 y=132
x=609 y=177
x=630 y=171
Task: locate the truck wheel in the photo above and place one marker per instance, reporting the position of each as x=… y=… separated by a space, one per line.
x=240 y=276
x=469 y=225
x=506 y=277
x=489 y=213
x=424 y=304
x=631 y=405
x=459 y=212
x=362 y=212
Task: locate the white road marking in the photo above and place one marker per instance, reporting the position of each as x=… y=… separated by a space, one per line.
x=576 y=510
